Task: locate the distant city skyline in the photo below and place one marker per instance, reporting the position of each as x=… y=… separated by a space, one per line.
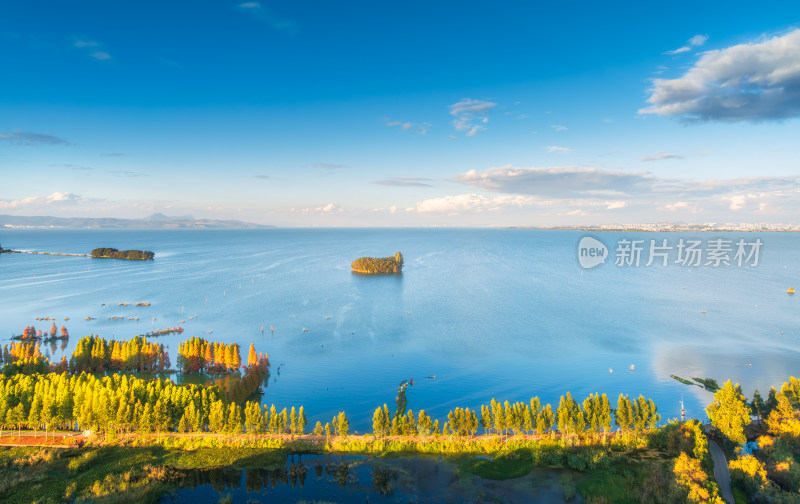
x=416 y=114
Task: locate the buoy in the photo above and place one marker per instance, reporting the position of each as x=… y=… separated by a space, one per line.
x=790 y=290
x=610 y=370
x=632 y=367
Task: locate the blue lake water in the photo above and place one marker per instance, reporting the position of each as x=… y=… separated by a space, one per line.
x=363 y=479
x=503 y=313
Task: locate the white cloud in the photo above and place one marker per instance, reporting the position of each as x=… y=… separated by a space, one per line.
x=18 y=137
x=257 y=11
x=452 y=205
x=329 y=209
x=31 y=202
x=616 y=204
x=695 y=41
x=698 y=40
x=555 y=149
x=93 y=48
x=756 y=81
x=678 y=50
x=404 y=182
x=85 y=43
x=557 y=181
x=467 y=112
x=659 y=156
x=737 y=202
x=419 y=128
x=558 y=127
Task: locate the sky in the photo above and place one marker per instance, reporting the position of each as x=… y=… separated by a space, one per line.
x=317 y=113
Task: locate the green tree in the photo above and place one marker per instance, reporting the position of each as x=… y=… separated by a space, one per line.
x=623 y=416
x=545 y=419
x=378 y=424
x=253 y=418
x=341 y=424
x=729 y=412
x=301 y=421
x=570 y=416
x=233 y=421
x=293 y=421
x=424 y=424
x=758 y=407
x=216 y=418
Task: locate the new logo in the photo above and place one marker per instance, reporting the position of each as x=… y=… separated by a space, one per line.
x=591 y=252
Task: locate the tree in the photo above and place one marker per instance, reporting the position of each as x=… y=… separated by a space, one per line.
x=378 y=423
x=545 y=419
x=301 y=421
x=758 y=407
x=772 y=401
x=424 y=424
x=253 y=418
x=570 y=416
x=293 y=421
x=341 y=425
x=623 y=416
x=729 y=413
x=252 y=356
x=216 y=419
x=318 y=428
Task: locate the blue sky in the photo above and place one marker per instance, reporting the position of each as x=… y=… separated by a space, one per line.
x=373 y=113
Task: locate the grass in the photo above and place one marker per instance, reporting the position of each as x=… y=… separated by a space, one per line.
x=605 y=485
x=114 y=474
x=511 y=465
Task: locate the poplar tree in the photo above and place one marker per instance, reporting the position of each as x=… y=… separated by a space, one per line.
x=378 y=424
x=293 y=421
x=545 y=420
x=301 y=421
x=623 y=416
x=729 y=412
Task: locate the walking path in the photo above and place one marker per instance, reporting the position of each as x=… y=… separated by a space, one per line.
x=721 y=472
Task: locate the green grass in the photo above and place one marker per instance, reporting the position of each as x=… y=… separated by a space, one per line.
x=114 y=474
x=739 y=495
x=511 y=465
x=602 y=484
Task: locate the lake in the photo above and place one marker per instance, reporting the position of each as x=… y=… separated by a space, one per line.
x=503 y=313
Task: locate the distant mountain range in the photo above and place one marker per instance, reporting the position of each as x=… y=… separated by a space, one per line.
x=154 y=221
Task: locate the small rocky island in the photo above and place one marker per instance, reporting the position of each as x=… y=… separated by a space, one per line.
x=378 y=265
x=132 y=255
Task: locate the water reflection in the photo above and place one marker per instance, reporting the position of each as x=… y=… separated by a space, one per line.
x=328 y=478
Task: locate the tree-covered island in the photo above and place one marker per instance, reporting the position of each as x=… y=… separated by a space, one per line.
x=378 y=265
x=112 y=253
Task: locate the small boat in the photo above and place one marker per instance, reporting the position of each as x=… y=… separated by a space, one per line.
x=790 y=290
x=432 y=377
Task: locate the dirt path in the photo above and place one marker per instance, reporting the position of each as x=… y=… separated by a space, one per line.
x=721 y=472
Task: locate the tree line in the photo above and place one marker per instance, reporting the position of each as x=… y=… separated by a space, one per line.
x=31 y=333
x=112 y=253
x=199 y=355
x=378 y=265
x=593 y=416
x=96 y=355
